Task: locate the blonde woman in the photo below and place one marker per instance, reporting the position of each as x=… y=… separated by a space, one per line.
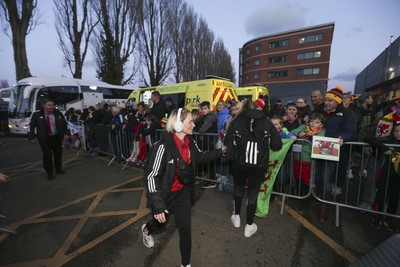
x=167 y=192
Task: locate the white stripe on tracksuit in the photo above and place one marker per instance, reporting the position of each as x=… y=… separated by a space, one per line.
x=156 y=167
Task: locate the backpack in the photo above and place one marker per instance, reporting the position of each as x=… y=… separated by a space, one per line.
x=252 y=145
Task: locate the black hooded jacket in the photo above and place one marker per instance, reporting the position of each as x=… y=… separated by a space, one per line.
x=242 y=120
x=162 y=167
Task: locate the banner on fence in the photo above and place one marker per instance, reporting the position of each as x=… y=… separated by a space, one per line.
x=276 y=159
x=77 y=135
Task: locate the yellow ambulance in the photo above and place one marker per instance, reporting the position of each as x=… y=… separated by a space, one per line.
x=253 y=92
x=189 y=94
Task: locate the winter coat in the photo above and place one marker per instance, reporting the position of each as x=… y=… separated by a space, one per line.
x=161 y=169
x=39 y=122
x=222 y=118
x=341 y=123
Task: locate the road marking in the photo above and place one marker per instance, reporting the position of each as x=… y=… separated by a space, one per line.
x=60 y=257
x=339 y=249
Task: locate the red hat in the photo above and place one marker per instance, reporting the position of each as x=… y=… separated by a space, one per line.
x=395 y=99
x=335 y=94
x=164 y=121
x=260 y=103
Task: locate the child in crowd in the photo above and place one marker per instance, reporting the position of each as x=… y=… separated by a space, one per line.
x=195 y=115
x=277 y=121
x=140 y=117
x=284 y=172
x=164 y=122
x=302 y=160
x=291 y=120
x=148 y=130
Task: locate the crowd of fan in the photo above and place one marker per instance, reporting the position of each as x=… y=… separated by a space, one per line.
x=334 y=114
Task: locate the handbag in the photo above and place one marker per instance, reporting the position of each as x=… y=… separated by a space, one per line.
x=185 y=172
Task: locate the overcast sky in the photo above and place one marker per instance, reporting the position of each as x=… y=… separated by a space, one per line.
x=362 y=31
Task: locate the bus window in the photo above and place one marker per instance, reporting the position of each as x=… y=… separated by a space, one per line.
x=61 y=95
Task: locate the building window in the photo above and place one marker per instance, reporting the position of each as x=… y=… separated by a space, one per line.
x=258 y=48
x=309 y=55
x=257 y=62
x=311 y=38
x=256 y=76
x=247 y=64
x=247 y=51
x=311 y=71
x=277 y=74
x=277 y=44
x=278 y=59
x=247 y=78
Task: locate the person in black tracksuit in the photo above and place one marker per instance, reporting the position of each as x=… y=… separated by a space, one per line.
x=51 y=129
x=254 y=175
x=165 y=192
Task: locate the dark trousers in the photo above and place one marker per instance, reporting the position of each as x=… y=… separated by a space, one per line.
x=52 y=147
x=179 y=204
x=255 y=177
x=388 y=189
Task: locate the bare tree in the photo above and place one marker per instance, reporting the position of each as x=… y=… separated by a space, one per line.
x=221 y=62
x=188 y=35
x=115 y=40
x=21 y=16
x=4 y=84
x=155 y=41
x=202 y=54
x=204 y=40
x=176 y=26
x=74 y=35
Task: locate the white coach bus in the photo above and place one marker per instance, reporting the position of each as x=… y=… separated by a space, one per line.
x=28 y=94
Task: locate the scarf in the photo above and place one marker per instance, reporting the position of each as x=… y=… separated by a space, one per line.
x=310 y=131
x=290 y=120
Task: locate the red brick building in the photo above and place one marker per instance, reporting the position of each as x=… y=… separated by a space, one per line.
x=290 y=64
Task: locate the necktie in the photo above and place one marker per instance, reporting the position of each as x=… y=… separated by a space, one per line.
x=48 y=125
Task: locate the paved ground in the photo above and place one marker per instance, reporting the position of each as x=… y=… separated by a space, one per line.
x=91 y=216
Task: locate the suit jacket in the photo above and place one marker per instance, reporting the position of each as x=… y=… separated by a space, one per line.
x=38 y=122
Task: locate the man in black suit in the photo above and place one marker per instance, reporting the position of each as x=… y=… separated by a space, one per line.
x=51 y=129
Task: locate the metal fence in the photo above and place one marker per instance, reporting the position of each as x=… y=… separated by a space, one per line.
x=349 y=183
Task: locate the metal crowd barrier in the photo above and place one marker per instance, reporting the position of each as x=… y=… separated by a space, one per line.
x=288 y=182
x=116 y=143
x=344 y=184
x=355 y=176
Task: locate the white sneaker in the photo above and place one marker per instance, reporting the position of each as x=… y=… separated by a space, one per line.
x=350 y=174
x=235 y=219
x=365 y=205
x=249 y=230
x=363 y=173
x=186 y=265
x=336 y=190
x=148 y=240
